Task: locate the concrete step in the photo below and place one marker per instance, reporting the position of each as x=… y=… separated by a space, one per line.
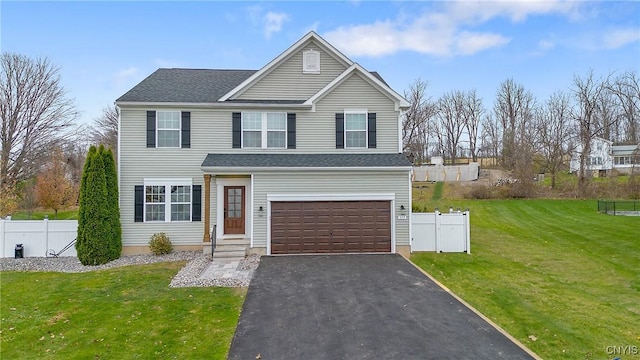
x=239 y=241
x=229 y=251
x=229 y=254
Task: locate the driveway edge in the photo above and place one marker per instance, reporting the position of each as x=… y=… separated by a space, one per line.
x=468 y=306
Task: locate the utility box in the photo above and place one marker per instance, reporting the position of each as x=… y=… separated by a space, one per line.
x=19 y=251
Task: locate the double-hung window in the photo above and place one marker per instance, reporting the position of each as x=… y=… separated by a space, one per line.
x=167 y=200
x=168 y=129
x=264 y=130
x=355 y=129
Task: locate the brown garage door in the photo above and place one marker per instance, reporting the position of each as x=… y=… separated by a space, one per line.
x=299 y=227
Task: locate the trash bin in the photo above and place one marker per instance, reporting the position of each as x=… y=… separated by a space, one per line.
x=19 y=251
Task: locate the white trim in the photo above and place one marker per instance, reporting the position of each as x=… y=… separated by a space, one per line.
x=251 y=209
x=244 y=171
x=119 y=145
x=400 y=131
x=366 y=128
x=234 y=104
x=311 y=197
x=331 y=197
x=400 y=102
x=167 y=183
x=264 y=129
x=282 y=57
x=219 y=203
x=179 y=128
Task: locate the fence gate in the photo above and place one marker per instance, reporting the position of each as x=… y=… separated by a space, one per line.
x=440 y=232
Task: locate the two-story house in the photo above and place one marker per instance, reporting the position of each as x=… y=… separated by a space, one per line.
x=606 y=156
x=301 y=156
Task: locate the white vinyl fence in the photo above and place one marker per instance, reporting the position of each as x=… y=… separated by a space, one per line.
x=38 y=237
x=448 y=232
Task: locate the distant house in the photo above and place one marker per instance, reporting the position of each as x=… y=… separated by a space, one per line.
x=605 y=157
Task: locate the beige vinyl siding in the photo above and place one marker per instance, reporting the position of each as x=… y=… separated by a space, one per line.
x=316 y=131
x=287 y=82
x=353 y=183
x=138 y=162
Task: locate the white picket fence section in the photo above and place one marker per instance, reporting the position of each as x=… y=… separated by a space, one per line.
x=37 y=237
x=441 y=232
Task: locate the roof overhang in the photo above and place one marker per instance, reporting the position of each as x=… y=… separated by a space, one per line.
x=220 y=105
x=247 y=170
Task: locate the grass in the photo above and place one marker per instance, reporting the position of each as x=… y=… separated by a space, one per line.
x=39 y=214
x=123 y=313
x=437 y=191
x=555 y=274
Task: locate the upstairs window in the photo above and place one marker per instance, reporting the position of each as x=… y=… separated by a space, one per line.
x=264 y=130
x=355 y=130
x=168 y=126
x=311 y=62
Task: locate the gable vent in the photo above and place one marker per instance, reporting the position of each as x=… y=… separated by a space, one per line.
x=311 y=62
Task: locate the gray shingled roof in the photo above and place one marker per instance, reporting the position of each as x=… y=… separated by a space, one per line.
x=305 y=160
x=186 y=85
x=194 y=86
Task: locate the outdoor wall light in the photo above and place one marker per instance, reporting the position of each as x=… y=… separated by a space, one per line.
x=401 y=207
x=261 y=208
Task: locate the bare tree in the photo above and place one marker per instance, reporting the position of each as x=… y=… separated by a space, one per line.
x=586 y=91
x=451 y=113
x=472 y=113
x=553 y=126
x=514 y=109
x=36 y=115
x=415 y=123
x=626 y=88
x=105 y=129
x=491 y=138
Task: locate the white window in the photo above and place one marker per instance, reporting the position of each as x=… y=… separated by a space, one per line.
x=310 y=62
x=355 y=130
x=160 y=207
x=264 y=130
x=168 y=129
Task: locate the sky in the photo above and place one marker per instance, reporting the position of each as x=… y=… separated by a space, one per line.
x=103 y=49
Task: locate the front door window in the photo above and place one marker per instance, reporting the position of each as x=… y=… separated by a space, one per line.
x=234 y=214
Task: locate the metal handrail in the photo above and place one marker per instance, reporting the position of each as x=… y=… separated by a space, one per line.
x=212 y=237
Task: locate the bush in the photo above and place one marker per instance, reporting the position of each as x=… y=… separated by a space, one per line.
x=160 y=244
x=480 y=192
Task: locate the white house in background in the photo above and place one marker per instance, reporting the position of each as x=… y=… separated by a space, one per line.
x=605 y=156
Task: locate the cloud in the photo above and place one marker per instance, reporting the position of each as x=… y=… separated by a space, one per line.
x=124 y=76
x=447 y=29
x=620 y=37
x=273 y=22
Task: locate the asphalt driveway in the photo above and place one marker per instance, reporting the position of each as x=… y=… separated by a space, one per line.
x=358 y=307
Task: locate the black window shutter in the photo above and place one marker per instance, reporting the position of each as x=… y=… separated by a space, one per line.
x=339 y=130
x=196 y=204
x=291 y=131
x=236 y=129
x=372 y=130
x=138 y=208
x=186 y=129
x=151 y=129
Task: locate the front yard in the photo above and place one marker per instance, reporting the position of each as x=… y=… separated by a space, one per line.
x=123 y=313
x=555 y=274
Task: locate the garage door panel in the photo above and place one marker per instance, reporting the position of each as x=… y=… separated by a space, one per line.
x=330 y=227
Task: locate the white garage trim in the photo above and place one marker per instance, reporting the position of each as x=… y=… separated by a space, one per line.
x=333 y=197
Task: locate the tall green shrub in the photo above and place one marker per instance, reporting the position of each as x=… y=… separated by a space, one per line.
x=111 y=176
x=94 y=217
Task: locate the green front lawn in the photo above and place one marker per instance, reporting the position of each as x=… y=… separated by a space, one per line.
x=123 y=313
x=557 y=275
x=39 y=214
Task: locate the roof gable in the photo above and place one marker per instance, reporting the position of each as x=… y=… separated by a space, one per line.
x=373 y=80
x=283 y=57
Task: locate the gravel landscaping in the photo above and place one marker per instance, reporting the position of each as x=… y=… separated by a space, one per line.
x=189 y=276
